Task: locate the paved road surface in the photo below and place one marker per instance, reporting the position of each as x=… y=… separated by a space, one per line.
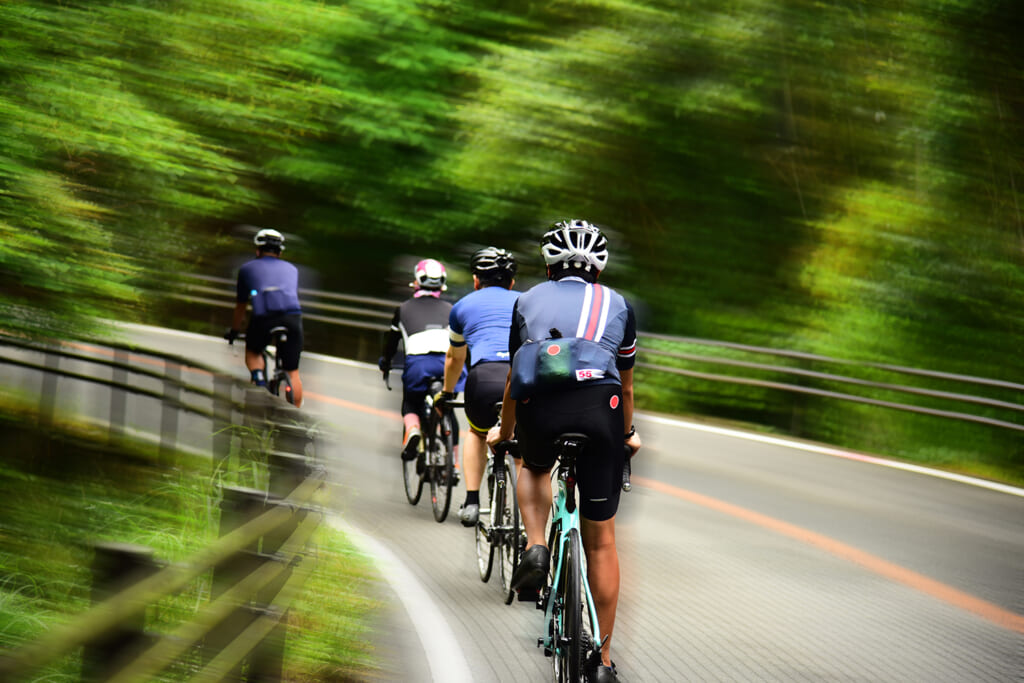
x=742 y=559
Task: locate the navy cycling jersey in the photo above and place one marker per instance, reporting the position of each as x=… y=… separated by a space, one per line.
x=481 y=320
x=575 y=308
x=272 y=285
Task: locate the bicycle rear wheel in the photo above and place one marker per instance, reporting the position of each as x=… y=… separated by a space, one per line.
x=485 y=530
x=513 y=537
x=284 y=387
x=441 y=441
x=567 y=661
x=413 y=481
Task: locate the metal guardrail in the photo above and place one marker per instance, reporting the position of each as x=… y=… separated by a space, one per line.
x=375 y=313
x=259 y=563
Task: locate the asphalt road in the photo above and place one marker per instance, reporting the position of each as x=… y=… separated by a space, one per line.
x=743 y=558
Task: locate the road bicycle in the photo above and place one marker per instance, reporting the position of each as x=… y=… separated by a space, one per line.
x=435 y=463
x=278 y=381
x=499 y=530
x=572 y=636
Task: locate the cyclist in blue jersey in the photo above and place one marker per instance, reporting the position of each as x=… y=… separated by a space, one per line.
x=478 y=328
x=580 y=382
x=271 y=285
x=421 y=324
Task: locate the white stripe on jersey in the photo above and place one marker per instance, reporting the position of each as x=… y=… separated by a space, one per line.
x=581 y=328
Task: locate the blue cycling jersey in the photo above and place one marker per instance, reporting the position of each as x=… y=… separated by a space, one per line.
x=481 y=319
x=271 y=284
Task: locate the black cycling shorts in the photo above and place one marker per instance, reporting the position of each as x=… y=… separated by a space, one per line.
x=592 y=410
x=412 y=402
x=257 y=337
x=485 y=386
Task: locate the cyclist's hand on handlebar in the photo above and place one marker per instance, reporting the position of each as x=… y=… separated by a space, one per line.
x=495 y=436
x=231 y=335
x=634 y=443
x=442 y=397
x=384 y=365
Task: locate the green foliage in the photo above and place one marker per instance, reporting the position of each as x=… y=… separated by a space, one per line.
x=836 y=177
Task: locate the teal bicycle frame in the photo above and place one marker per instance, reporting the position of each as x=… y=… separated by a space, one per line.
x=573 y=633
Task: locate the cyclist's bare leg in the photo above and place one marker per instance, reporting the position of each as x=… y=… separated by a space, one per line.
x=254 y=361
x=603 y=575
x=293 y=377
x=474 y=459
x=534 y=491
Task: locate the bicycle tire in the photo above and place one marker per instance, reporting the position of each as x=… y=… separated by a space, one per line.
x=485 y=545
x=286 y=382
x=442 y=466
x=413 y=481
x=513 y=538
x=567 y=662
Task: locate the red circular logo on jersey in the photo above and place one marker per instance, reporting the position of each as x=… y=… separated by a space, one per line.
x=554 y=349
x=614 y=402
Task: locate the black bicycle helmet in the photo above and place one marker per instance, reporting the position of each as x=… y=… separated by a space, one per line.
x=491 y=263
x=575 y=244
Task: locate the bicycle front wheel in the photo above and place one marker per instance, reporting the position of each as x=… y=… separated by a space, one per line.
x=485 y=530
x=513 y=536
x=442 y=466
x=568 y=615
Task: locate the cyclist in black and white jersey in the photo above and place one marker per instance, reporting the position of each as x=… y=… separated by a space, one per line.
x=583 y=382
x=421 y=324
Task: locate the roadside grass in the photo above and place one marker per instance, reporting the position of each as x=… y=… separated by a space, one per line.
x=63 y=491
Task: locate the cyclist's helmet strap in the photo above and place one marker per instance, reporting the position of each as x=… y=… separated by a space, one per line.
x=492 y=264
x=574 y=245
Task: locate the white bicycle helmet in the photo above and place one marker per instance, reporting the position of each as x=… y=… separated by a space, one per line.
x=431 y=275
x=577 y=243
x=269 y=239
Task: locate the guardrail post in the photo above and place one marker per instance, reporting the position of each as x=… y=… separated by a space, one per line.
x=169 y=414
x=287 y=471
x=238 y=506
x=118 y=397
x=117 y=566
x=222 y=409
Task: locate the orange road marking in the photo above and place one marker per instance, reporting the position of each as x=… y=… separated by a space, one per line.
x=948 y=594
x=391 y=414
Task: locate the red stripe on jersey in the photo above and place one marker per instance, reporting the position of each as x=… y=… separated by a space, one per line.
x=595 y=312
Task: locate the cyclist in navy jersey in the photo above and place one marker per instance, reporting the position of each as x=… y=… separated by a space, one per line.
x=479 y=328
x=421 y=324
x=271 y=285
x=580 y=382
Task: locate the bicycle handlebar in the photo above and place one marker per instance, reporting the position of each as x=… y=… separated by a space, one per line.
x=626 y=486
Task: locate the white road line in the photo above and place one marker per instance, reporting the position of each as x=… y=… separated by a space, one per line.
x=829 y=450
x=447 y=663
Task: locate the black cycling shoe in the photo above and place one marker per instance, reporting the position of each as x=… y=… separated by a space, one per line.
x=532 y=571
x=603 y=674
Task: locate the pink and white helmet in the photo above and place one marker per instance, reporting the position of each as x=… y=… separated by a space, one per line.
x=430 y=275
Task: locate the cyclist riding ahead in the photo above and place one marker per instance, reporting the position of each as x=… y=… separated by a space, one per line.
x=272 y=286
x=421 y=323
x=583 y=384
x=479 y=323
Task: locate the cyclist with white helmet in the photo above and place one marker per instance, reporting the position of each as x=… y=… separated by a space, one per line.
x=271 y=285
x=479 y=327
x=421 y=324
x=584 y=385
